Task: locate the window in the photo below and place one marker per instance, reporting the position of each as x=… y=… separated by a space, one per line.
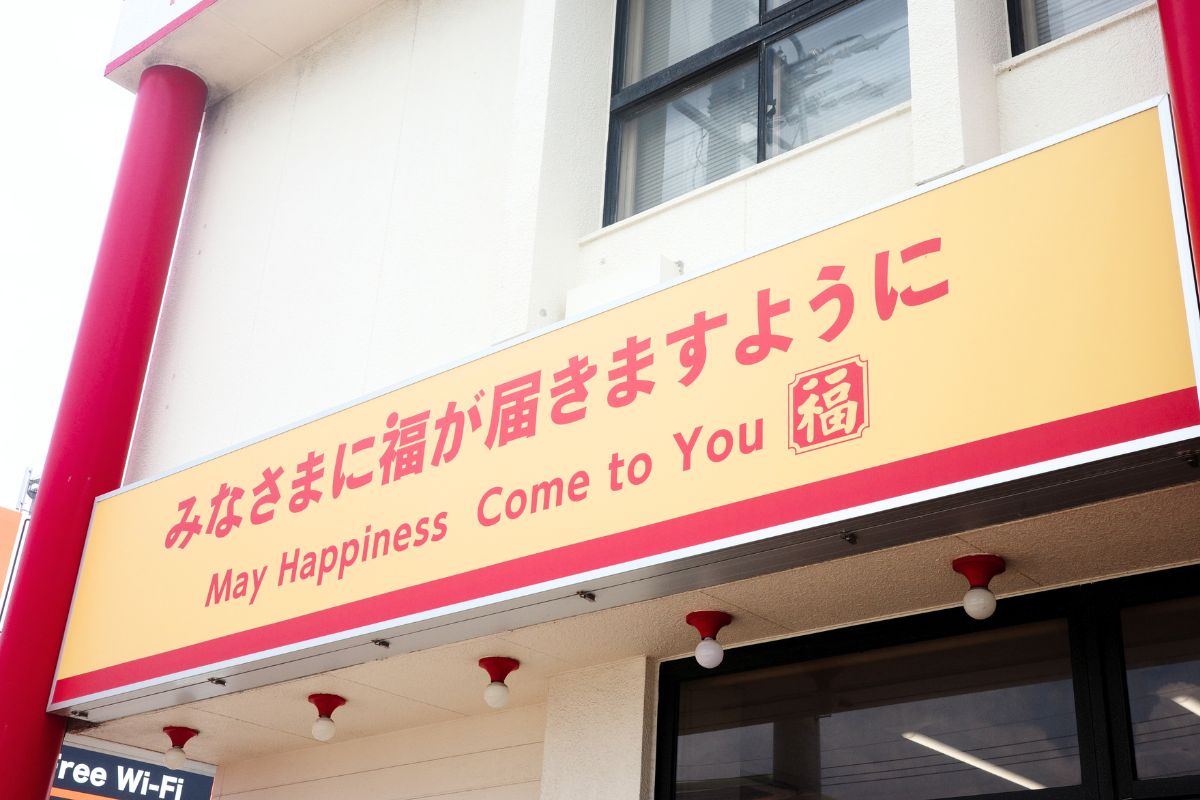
x=1080 y=693
x=888 y=723
x=704 y=88
x=1162 y=671
x=1035 y=22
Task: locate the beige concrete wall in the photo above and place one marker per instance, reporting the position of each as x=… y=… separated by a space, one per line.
x=599 y=727
x=494 y=756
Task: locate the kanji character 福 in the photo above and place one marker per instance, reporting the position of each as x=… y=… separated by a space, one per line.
x=570 y=387
x=187 y=527
x=225 y=496
x=841 y=293
x=269 y=489
x=885 y=295
x=628 y=364
x=755 y=347
x=514 y=410
x=343 y=479
x=309 y=471
x=405 y=453
x=829 y=404
x=694 y=351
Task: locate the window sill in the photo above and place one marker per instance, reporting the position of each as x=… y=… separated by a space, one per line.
x=747 y=173
x=1083 y=33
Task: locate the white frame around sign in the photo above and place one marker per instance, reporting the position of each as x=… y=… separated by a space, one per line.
x=655 y=575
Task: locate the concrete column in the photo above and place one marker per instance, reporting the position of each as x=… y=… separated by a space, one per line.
x=599 y=728
x=555 y=159
x=954 y=46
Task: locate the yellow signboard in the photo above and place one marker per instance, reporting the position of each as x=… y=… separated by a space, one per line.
x=1020 y=318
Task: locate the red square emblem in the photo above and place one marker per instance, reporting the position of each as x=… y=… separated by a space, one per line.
x=828 y=404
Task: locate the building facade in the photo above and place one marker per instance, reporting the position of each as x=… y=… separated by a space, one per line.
x=382 y=189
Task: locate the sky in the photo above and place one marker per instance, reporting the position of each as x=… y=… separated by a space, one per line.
x=61 y=134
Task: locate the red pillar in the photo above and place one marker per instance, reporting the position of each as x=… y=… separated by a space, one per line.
x=1181 y=41
x=95 y=418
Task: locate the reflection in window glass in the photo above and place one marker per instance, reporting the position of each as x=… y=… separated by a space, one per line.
x=975 y=714
x=659 y=33
x=832 y=74
x=1162 y=662
x=1046 y=20
x=692 y=139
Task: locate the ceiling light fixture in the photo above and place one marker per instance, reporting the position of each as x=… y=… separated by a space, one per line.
x=709 y=653
x=979 y=569
x=323 y=727
x=175 y=758
x=498 y=668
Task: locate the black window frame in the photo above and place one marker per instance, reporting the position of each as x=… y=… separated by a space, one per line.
x=1092 y=613
x=698 y=68
x=1016 y=28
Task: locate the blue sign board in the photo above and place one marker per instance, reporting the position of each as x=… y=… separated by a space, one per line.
x=85 y=774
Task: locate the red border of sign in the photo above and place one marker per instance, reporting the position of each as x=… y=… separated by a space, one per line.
x=1127 y=422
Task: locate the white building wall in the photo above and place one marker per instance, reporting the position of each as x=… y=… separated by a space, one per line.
x=496 y=756
x=771 y=202
x=969 y=103
x=337 y=203
x=1083 y=76
x=428 y=182
x=953 y=48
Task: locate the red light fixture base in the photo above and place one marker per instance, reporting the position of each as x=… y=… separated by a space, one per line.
x=179 y=735
x=708 y=623
x=978 y=568
x=326 y=703
x=498 y=667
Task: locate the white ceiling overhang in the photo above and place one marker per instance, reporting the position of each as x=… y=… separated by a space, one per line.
x=228 y=43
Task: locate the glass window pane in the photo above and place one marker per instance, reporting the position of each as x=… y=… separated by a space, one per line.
x=968 y=715
x=1162 y=663
x=841 y=70
x=689 y=140
x=659 y=33
x=1045 y=20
